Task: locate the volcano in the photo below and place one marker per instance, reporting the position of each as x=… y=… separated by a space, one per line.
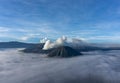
x=64 y=51
x=36 y=49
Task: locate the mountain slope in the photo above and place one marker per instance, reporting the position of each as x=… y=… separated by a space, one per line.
x=36 y=49
x=64 y=51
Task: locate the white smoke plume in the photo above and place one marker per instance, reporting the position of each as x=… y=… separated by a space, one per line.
x=59 y=42
x=43 y=40
x=63 y=41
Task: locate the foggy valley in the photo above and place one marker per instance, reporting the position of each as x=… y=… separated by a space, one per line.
x=94 y=66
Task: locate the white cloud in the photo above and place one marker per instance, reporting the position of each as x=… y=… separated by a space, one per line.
x=106 y=38
x=44 y=27
x=28 y=36
x=24 y=30
x=24 y=38
x=4 y=29
x=47 y=30
x=106 y=25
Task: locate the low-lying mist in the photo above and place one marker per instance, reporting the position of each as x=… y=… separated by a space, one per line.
x=93 y=67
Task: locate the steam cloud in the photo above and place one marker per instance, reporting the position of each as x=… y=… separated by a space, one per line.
x=43 y=40
x=62 y=41
x=59 y=42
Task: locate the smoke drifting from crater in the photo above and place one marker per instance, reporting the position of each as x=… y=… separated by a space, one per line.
x=59 y=42
x=43 y=40
x=62 y=41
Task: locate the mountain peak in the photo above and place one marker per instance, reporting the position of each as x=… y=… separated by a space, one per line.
x=64 y=51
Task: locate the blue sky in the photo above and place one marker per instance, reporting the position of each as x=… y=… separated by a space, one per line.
x=31 y=20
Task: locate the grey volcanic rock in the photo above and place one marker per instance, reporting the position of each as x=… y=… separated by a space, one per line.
x=64 y=51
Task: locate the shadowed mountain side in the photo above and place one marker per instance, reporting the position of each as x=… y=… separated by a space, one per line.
x=36 y=49
x=64 y=51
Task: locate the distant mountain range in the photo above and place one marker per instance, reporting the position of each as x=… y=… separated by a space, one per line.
x=37 y=48
x=15 y=44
